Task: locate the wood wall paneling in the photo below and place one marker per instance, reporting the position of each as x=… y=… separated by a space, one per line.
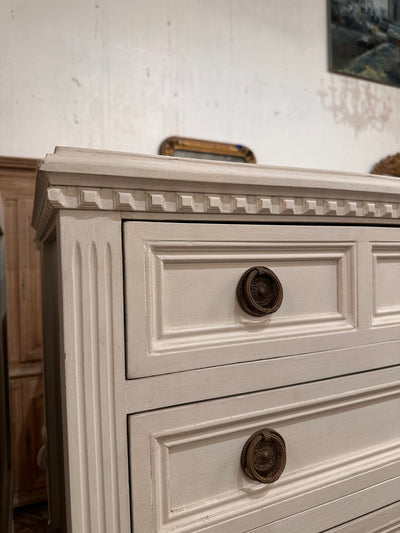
x=5 y=444
x=29 y=286
x=17 y=182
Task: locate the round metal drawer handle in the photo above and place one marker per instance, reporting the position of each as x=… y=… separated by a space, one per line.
x=259 y=291
x=264 y=456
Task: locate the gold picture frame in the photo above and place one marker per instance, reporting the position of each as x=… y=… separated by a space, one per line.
x=200 y=149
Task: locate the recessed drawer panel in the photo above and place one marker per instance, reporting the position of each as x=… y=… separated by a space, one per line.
x=194 y=453
x=385 y=283
x=181 y=305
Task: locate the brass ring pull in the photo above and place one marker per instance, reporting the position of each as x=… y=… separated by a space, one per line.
x=264 y=456
x=259 y=291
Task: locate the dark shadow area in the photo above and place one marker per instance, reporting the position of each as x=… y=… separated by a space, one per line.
x=31 y=519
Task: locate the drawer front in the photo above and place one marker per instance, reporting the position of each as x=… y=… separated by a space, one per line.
x=324 y=518
x=385 y=520
x=342 y=436
x=182 y=312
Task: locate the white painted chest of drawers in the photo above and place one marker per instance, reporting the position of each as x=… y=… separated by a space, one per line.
x=156 y=376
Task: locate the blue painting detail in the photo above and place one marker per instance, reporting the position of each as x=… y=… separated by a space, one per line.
x=365 y=39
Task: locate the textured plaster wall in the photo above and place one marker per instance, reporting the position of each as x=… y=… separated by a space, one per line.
x=124 y=74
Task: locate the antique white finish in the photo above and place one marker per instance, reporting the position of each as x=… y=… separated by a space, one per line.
x=160 y=377
x=180 y=291
x=91 y=279
x=192 y=453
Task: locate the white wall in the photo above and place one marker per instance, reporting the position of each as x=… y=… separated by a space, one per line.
x=125 y=74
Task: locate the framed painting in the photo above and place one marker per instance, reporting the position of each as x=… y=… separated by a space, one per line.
x=365 y=39
x=199 y=149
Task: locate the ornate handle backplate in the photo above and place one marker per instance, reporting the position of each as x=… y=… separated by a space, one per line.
x=264 y=456
x=259 y=291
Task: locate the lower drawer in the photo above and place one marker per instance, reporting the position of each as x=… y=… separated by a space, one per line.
x=385 y=520
x=324 y=518
x=342 y=436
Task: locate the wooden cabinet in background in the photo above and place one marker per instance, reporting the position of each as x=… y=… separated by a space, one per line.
x=17 y=182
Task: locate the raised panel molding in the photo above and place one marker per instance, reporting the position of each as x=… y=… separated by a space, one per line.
x=31 y=341
x=385 y=269
x=13 y=297
x=165 y=257
x=94 y=371
x=181 y=308
x=26 y=399
x=23 y=284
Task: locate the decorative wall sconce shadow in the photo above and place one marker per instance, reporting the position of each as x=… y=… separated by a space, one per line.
x=357 y=104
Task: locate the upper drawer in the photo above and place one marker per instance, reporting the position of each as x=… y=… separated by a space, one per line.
x=339 y=285
x=180 y=293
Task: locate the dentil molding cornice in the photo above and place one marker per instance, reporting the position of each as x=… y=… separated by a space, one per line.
x=200 y=189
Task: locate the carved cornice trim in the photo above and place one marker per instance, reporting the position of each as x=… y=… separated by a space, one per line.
x=124 y=200
x=182 y=202
x=99 y=169
x=189 y=188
